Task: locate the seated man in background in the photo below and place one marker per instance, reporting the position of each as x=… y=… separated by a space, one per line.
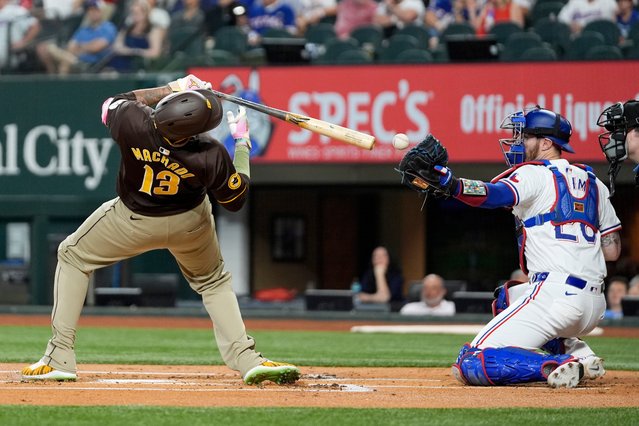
x=617 y=289
x=18 y=28
x=89 y=44
x=432 y=301
x=382 y=282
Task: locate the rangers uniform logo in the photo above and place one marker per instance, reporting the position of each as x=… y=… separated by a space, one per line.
x=578 y=207
x=234 y=181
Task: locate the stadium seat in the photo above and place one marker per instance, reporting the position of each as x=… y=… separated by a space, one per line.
x=503 y=30
x=603 y=53
x=189 y=40
x=608 y=29
x=395 y=45
x=542 y=53
x=580 y=45
x=231 y=39
x=369 y=37
x=547 y=9
x=276 y=32
x=334 y=48
x=457 y=28
x=414 y=56
x=320 y=33
x=354 y=56
x=517 y=44
x=419 y=32
x=634 y=34
x=555 y=33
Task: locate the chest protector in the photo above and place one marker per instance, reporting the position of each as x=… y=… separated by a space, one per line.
x=566 y=209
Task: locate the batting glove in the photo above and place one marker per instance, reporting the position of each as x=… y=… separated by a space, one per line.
x=238 y=124
x=190 y=82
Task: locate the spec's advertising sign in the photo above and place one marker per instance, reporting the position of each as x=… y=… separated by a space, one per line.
x=462 y=105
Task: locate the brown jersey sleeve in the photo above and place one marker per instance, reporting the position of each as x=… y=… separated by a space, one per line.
x=224 y=184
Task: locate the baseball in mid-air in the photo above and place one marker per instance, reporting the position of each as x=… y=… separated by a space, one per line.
x=400 y=141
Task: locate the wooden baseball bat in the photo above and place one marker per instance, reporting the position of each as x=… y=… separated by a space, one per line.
x=325 y=128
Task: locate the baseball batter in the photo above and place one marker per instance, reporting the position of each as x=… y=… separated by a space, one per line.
x=170 y=172
x=567 y=230
x=621 y=138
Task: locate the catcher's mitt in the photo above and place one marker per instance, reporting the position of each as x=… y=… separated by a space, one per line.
x=417 y=167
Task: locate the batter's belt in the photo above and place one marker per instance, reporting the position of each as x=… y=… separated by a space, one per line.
x=595 y=288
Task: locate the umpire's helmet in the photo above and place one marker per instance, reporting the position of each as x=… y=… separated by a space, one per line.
x=185 y=114
x=544 y=123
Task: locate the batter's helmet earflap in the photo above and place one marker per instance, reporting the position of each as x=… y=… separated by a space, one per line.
x=184 y=114
x=544 y=123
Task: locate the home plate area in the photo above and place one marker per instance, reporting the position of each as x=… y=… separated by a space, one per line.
x=373 y=387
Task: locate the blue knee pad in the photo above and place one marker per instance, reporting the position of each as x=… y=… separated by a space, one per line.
x=506 y=366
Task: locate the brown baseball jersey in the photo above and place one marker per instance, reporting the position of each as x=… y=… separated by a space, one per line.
x=156 y=179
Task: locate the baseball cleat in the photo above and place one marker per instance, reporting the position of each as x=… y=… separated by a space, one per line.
x=41 y=371
x=278 y=372
x=566 y=375
x=593 y=367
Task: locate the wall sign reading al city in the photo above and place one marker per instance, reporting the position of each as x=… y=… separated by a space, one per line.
x=463 y=105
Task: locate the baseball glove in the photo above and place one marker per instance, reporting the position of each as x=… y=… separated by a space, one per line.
x=418 y=168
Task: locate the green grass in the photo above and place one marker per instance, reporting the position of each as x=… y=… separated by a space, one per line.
x=197 y=347
x=159 y=416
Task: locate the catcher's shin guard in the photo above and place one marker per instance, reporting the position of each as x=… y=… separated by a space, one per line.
x=505 y=366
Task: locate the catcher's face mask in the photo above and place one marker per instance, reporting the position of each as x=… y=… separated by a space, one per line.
x=513 y=148
x=617 y=120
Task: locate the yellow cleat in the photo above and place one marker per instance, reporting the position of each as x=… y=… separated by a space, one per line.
x=278 y=372
x=42 y=371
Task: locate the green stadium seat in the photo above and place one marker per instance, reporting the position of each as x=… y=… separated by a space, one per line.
x=543 y=53
x=414 y=56
x=231 y=39
x=547 y=9
x=604 y=53
x=369 y=37
x=320 y=33
x=334 y=48
x=580 y=45
x=354 y=56
x=419 y=32
x=503 y=30
x=517 y=44
x=608 y=29
x=555 y=33
x=395 y=45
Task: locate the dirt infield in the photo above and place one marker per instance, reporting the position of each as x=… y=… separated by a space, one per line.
x=203 y=386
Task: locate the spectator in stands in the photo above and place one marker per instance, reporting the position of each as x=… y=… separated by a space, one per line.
x=432 y=299
x=159 y=17
x=633 y=286
x=89 y=44
x=396 y=14
x=519 y=11
x=190 y=16
x=266 y=14
x=627 y=16
x=352 y=14
x=312 y=12
x=225 y=13
x=382 y=282
x=577 y=13
x=138 y=41
x=616 y=289
x=440 y=13
x=21 y=28
x=491 y=13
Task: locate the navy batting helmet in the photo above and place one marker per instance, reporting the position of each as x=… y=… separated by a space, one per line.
x=185 y=114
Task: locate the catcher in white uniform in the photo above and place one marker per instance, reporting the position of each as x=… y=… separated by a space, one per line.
x=567 y=230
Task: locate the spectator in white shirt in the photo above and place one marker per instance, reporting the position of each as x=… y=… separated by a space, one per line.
x=432 y=301
x=577 y=13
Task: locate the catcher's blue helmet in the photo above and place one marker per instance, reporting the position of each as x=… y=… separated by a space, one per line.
x=537 y=122
x=542 y=122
